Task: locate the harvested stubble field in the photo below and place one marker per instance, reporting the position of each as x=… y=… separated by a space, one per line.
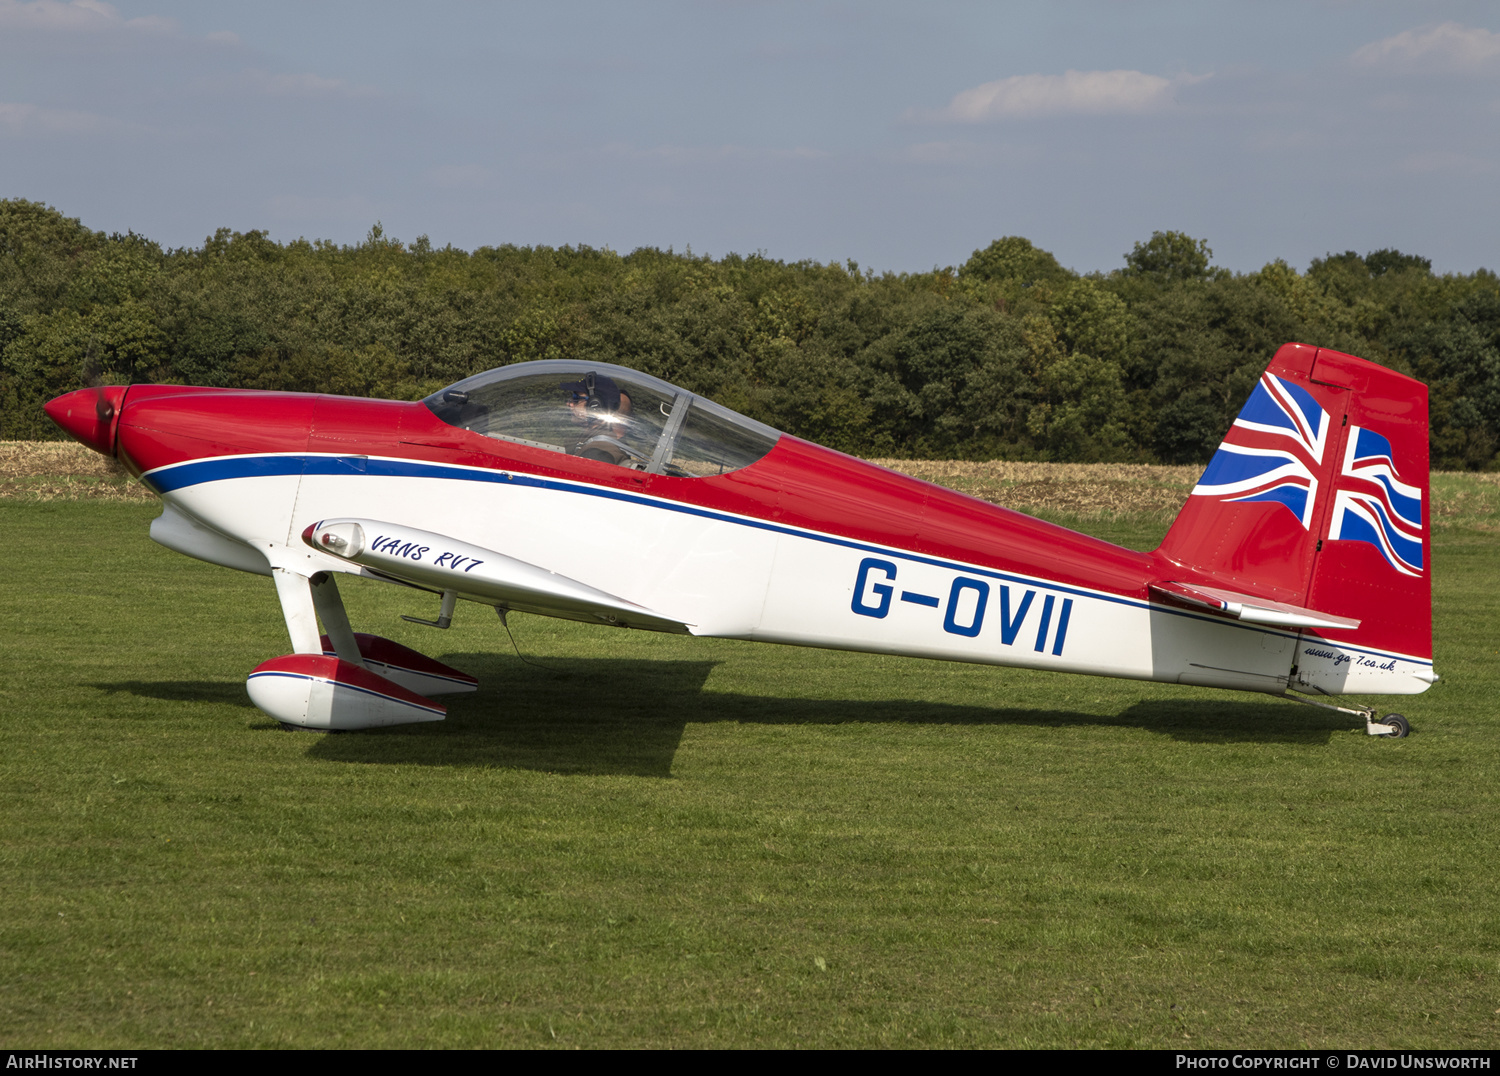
x=63 y=470
x=657 y=841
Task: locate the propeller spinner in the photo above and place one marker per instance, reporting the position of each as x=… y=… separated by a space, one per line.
x=91 y=416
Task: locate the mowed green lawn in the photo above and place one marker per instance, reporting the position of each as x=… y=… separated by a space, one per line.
x=658 y=841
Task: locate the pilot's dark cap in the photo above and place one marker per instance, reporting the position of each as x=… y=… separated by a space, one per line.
x=605 y=390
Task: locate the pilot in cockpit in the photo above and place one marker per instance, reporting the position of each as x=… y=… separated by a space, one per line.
x=601 y=412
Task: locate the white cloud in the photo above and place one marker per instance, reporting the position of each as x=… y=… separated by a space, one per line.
x=1073 y=92
x=74 y=16
x=1443 y=48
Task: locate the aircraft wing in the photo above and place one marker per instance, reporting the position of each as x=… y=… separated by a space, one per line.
x=1248 y=608
x=437 y=562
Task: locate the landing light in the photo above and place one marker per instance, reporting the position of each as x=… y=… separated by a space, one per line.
x=340 y=539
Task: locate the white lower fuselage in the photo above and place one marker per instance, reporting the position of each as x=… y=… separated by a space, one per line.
x=738 y=577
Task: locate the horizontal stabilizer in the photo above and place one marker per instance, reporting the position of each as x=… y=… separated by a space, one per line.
x=1248 y=608
x=437 y=562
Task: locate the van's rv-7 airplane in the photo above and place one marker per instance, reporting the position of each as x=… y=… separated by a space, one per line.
x=1299 y=567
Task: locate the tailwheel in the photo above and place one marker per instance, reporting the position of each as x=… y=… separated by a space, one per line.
x=1392 y=726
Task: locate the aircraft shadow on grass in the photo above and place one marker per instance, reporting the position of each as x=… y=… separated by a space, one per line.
x=602 y=716
x=215 y=692
x=626 y=717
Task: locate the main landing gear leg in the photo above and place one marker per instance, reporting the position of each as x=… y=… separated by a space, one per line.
x=330 y=606
x=1393 y=727
x=309 y=689
x=295 y=592
x=304 y=602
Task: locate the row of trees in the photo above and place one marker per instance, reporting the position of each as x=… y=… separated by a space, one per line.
x=1009 y=355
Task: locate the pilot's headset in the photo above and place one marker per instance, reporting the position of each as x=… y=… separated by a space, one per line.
x=593 y=405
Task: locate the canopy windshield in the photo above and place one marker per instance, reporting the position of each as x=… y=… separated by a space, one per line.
x=604 y=412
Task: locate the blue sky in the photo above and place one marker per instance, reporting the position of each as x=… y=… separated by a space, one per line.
x=901 y=135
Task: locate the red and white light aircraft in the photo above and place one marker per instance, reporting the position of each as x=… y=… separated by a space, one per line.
x=1300 y=563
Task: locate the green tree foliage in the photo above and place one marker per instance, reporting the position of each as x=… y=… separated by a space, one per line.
x=951 y=384
x=1080 y=412
x=1014 y=259
x=1459 y=357
x=1170 y=257
x=41 y=255
x=1011 y=355
x=1380 y=262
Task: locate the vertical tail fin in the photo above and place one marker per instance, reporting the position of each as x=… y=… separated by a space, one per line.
x=1318 y=497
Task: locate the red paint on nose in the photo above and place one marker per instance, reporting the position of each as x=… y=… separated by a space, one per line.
x=90 y=415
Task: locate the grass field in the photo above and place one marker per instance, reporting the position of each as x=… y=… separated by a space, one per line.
x=658 y=841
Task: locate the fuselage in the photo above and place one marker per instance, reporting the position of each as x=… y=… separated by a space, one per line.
x=804 y=546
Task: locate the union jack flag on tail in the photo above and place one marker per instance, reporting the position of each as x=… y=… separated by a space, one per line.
x=1373 y=505
x=1273 y=451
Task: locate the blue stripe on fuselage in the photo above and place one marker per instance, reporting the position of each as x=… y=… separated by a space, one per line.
x=222 y=468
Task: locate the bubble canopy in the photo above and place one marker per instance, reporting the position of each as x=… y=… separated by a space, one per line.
x=600 y=411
